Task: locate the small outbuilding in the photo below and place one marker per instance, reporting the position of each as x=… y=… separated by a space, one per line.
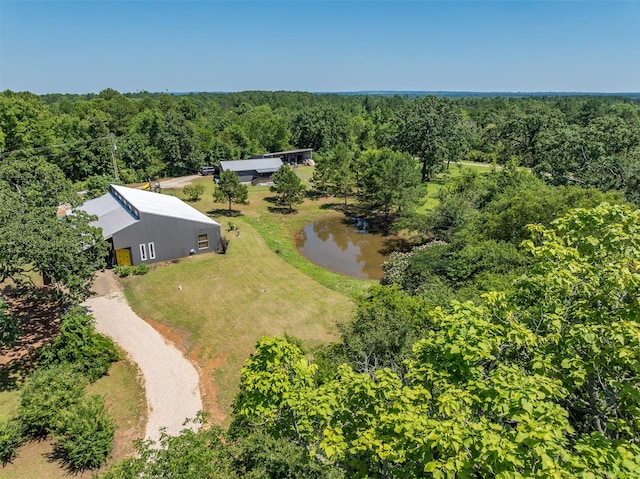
x=147 y=227
x=253 y=171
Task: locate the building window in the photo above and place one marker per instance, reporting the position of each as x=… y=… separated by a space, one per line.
x=203 y=241
x=143 y=252
x=152 y=251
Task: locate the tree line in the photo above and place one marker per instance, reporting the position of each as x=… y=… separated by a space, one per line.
x=584 y=140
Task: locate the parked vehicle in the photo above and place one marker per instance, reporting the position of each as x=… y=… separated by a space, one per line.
x=208 y=170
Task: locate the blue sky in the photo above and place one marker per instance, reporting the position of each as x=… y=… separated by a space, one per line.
x=315 y=45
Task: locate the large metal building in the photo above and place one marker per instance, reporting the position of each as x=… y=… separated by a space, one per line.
x=147 y=227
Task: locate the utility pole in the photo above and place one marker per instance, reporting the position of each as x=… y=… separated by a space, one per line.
x=113 y=152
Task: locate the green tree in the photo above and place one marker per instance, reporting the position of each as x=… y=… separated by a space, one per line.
x=390 y=183
x=67 y=249
x=190 y=455
x=45 y=394
x=79 y=345
x=84 y=433
x=586 y=286
x=178 y=144
x=521 y=128
x=335 y=173
x=230 y=189
x=433 y=130
x=288 y=187
x=320 y=128
x=269 y=129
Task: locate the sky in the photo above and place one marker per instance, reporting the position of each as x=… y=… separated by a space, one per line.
x=320 y=46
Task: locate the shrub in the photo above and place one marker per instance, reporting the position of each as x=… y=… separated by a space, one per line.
x=81 y=346
x=123 y=271
x=11 y=436
x=45 y=394
x=84 y=434
x=141 y=269
x=193 y=192
x=224 y=244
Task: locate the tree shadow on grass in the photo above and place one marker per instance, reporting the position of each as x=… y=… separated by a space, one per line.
x=224 y=212
x=314 y=194
x=283 y=210
x=334 y=207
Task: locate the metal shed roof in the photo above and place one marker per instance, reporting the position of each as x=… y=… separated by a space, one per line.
x=288 y=152
x=122 y=206
x=112 y=216
x=161 y=205
x=261 y=165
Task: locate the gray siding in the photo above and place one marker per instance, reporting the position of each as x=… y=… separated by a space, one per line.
x=171 y=238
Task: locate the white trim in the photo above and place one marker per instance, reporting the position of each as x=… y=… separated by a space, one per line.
x=204 y=241
x=143 y=252
x=152 y=251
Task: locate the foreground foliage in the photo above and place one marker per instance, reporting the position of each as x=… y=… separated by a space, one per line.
x=79 y=345
x=543 y=382
x=53 y=402
x=212 y=453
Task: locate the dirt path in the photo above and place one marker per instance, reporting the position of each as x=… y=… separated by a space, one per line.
x=180 y=182
x=171 y=381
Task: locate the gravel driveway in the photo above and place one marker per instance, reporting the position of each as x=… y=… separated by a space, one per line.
x=170 y=380
x=180 y=182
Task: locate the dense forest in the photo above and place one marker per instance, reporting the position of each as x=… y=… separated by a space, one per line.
x=582 y=140
x=504 y=343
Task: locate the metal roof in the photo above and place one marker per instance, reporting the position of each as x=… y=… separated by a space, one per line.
x=122 y=207
x=112 y=216
x=288 y=152
x=261 y=165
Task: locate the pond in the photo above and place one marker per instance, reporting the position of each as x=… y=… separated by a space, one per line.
x=344 y=245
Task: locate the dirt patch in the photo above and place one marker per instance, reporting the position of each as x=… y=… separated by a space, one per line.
x=106 y=282
x=205 y=366
x=178 y=182
x=208 y=388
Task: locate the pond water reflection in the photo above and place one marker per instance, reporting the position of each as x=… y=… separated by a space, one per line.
x=345 y=246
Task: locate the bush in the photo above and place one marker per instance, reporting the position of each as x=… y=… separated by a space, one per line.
x=85 y=433
x=260 y=456
x=224 y=244
x=11 y=436
x=45 y=394
x=193 y=192
x=123 y=271
x=81 y=346
x=141 y=269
